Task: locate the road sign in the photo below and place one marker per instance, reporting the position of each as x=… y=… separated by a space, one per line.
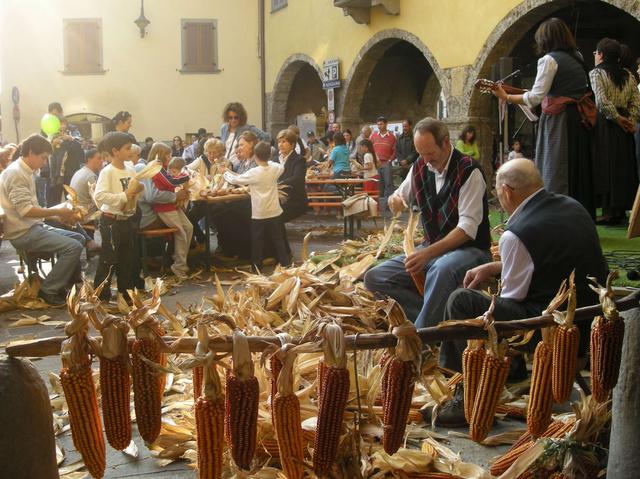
x=331 y=73
x=332 y=117
x=331 y=102
x=15 y=95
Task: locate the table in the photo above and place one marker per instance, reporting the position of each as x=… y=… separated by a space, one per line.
x=216 y=200
x=346 y=187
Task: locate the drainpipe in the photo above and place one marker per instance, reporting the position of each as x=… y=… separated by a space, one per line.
x=263 y=81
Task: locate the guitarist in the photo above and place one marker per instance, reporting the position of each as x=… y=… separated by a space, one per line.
x=563 y=150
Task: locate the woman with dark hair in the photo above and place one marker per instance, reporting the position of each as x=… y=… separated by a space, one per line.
x=122 y=122
x=467 y=144
x=235 y=117
x=563 y=148
x=350 y=142
x=177 y=147
x=618 y=103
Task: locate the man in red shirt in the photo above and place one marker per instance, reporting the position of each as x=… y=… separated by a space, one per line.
x=384 y=145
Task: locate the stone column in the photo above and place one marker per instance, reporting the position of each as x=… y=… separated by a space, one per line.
x=624 y=460
x=27 y=443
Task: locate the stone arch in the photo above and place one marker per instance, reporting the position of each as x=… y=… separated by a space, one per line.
x=278 y=99
x=510 y=30
x=351 y=95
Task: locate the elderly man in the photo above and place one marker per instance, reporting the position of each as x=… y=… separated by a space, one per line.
x=547 y=237
x=23 y=225
x=450 y=192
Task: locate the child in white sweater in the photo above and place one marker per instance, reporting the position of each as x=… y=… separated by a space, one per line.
x=266 y=221
x=118 y=225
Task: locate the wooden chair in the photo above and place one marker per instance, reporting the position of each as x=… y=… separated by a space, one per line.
x=154 y=233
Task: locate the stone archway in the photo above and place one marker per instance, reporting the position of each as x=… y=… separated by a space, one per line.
x=295 y=75
x=509 y=35
x=511 y=30
x=350 y=98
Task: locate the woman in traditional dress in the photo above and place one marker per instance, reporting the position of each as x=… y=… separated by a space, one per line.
x=618 y=103
x=563 y=147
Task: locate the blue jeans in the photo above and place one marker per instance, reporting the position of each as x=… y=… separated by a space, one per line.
x=67 y=245
x=385 y=186
x=443 y=275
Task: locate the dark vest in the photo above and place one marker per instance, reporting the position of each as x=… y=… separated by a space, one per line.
x=570 y=79
x=560 y=237
x=440 y=210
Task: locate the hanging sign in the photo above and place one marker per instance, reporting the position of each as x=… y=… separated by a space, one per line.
x=331 y=74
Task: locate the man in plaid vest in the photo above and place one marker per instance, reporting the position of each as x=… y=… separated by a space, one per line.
x=450 y=193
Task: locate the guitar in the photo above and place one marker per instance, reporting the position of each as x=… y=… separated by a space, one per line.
x=487 y=86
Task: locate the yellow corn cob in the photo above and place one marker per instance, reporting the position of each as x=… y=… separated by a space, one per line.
x=540 y=396
x=115 y=388
x=565 y=358
x=334 y=392
x=210 y=437
x=243 y=396
x=606 y=351
x=454 y=380
x=399 y=382
x=429 y=449
x=276 y=366
x=286 y=412
x=146 y=388
x=492 y=381
x=162 y=378
x=511 y=411
x=84 y=418
x=472 y=362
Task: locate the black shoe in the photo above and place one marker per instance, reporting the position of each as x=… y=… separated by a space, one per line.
x=451 y=413
x=52 y=299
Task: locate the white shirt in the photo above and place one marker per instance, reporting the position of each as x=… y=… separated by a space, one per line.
x=263 y=183
x=17 y=197
x=547 y=69
x=110 y=189
x=230 y=146
x=373 y=172
x=517 y=265
x=470 y=206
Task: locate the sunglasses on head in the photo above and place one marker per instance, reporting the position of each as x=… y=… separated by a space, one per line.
x=234 y=117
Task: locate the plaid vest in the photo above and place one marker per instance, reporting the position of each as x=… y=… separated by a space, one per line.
x=440 y=210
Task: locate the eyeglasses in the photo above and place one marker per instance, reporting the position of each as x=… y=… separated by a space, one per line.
x=595 y=52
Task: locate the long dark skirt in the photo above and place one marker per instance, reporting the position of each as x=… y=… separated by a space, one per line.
x=616 y=175
x=563 y=156
x=234 y=229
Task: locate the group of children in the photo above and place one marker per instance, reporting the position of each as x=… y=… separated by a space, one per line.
x=115 y=196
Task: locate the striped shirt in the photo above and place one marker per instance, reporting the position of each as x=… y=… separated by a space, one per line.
x=384 y=146
x=610 y=99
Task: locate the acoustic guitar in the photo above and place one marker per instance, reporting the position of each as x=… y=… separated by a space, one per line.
x=487 y=86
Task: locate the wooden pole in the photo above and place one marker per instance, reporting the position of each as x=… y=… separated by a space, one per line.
x=51 y=346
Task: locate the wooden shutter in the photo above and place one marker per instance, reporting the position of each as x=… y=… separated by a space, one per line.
x=199 y=46
x=83 y=46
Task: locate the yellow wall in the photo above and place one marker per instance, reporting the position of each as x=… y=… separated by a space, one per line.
x=142 y=74
x=320 y=30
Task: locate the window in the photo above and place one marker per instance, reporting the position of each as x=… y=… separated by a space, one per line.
x=278 y=4
x=82 y=46
x=199 y=46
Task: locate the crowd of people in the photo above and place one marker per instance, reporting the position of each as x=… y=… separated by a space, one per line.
x=444 y=183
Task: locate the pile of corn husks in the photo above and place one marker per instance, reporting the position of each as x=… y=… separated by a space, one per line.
x=290 y=301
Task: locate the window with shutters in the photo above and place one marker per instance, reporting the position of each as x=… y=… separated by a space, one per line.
x=278 y=4
x=200 y=46
x=82 y=46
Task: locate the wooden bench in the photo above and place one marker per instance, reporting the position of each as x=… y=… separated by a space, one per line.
x=154 y=233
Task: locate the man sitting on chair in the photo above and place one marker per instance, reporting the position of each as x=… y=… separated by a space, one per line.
x=24 y=226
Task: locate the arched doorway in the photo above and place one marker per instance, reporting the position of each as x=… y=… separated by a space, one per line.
x=297 y=95
x=513 y=38
x=394 y=75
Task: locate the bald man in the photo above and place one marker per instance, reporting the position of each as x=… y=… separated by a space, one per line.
x=547 y=237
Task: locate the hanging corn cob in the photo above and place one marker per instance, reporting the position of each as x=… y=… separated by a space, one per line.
x=565 y=347
x=409 y=247
x=495 y=369
x=472 y=360
x=210 y=412
x=332 y=401
x=80 y=393
x=115 y=384
x=202 y=348
x=607 y=334
x=242 y=398
x=146 y=361
x=399 y=377
x=286 y=412
x=540 y=395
